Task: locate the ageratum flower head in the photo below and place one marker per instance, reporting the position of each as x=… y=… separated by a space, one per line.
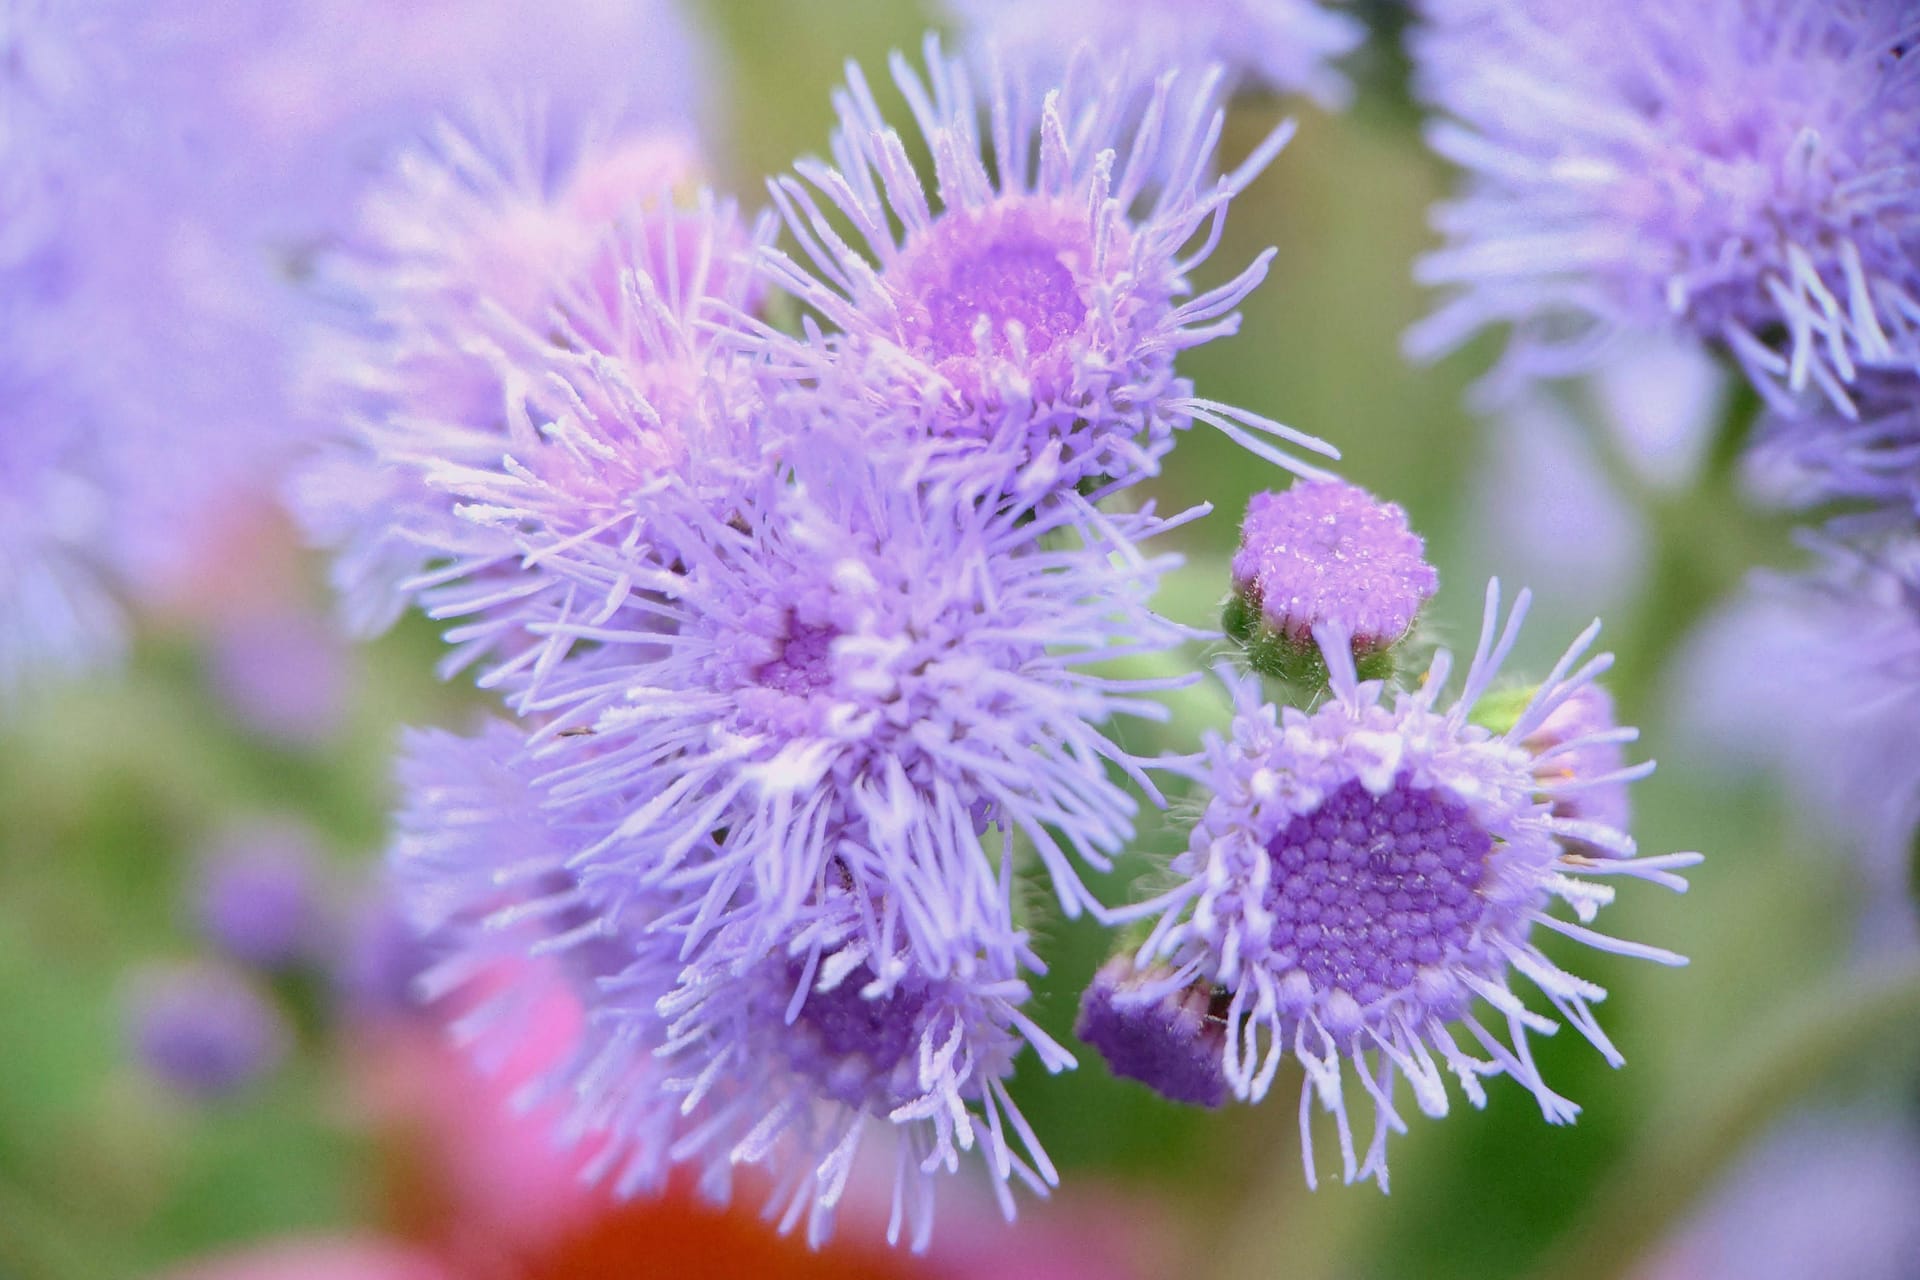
x=798 y=1050
x=1284 y=46
x=1037 y=296
x=1367 y=879
x=506 y=266
x=1739 y=169
x=849 y=675
x=480 y=867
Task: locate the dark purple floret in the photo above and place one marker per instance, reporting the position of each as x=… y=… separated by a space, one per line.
x=805 y=663
x=1368 y=889
x=852 y=1044
x=1170 y=1042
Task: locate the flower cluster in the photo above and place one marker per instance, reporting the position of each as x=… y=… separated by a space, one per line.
x=815 y=580
x=812 y=640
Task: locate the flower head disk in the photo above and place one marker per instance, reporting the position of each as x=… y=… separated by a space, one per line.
x=1037 y=297
x=1326 y=554
x=1740 y=169
x=1368 y=875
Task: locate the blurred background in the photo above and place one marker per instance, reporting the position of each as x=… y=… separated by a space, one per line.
x=244 y=749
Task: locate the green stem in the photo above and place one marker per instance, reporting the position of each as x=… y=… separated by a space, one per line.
x=1650 y=1192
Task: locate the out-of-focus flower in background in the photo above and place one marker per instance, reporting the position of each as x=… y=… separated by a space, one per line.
x=1737 y=171
x=203 y=1029
x=1829 y=1193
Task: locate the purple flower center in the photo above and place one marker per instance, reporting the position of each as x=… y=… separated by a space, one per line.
x=1368 y=889
x=852 y=1044
x=1010 y=267
x=805 y=664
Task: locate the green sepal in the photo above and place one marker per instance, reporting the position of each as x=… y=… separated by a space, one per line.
x=1498 y=711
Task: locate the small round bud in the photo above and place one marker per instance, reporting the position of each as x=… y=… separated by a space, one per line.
x=1325 y=552
x=1167 y=1039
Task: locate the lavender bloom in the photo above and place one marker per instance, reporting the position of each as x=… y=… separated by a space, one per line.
x=1172 y=1041
x=459 y=281
x=848 y=671
x=1325 y=554
x=1365 y=872
x=1819 y=675
x=239 y=137
x=1579 y=740
x=807 y=1045
x=1828 y=1194
x=1036 y=298
x=1740 y=170
x=283 y=675
x=204 y=1031
x=1284 y=46
x=259 y=899
x=480 y=867
x=530 y=335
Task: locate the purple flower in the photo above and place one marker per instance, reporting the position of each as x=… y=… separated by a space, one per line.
x=848 y=672
x=1828 y=1194
x=204 y=1031
x=1818 y=674
x=524 y=303
x=1739 y=169
x=283 y=674
x=806 y=1046
x=1325 y=554
x=164 y=168
x=1033 y=301
x=259 y=899
x=1172 y=1041
x=1284 y=46
x=1367 y=871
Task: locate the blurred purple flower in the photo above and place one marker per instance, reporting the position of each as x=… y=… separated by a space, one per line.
x=1817 y=675
x=1872 y=456
x=1739 y=169
x=1024 y=319
x=283 y=675
x=1283 y=46
x=1828 y=1194
x=259 y=897
x=1365 y=872
x=523 y=353
x=164 y=168
x=203 y=1030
